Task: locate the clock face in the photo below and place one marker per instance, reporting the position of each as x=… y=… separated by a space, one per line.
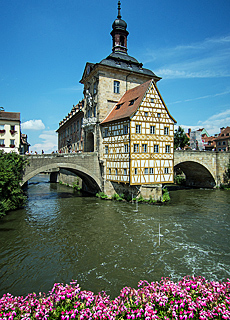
x=88 y=69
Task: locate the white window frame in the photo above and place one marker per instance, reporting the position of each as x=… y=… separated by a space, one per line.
x=116 y=86
x=166 y=131
x=156 y=148
x=126 y=148
x=136 y=148
x=167 y=148
x=144 y=148
x=152 y=129
x=138 y=128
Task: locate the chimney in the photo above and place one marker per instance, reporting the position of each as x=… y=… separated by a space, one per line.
x=221 y=129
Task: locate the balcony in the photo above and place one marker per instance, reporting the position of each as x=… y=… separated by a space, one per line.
x=12 y=145
x=89 y=122
x=2 y=145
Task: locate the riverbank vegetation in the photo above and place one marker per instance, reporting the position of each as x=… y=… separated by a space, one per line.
x=190 y=298
x=226 y=184
x=140 y=199
x=11 y=170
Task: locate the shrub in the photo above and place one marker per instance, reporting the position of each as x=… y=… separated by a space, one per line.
x=166 y=196
x=101 y=195
x=11 y=173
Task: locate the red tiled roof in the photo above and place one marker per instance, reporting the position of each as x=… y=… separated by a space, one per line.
x=223 y=134
x=128 y=104
x=10 y=116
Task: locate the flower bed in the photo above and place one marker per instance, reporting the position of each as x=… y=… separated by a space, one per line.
x=190 y=298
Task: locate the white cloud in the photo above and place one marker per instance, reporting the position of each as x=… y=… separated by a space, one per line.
x=206 y=59
x=48 y=144
x=202 y=97
x=33 y=125
x=213 y=123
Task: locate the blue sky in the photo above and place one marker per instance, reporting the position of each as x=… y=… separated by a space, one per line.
x=45 y=45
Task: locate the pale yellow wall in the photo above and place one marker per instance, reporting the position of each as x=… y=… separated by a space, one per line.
x=7 y=136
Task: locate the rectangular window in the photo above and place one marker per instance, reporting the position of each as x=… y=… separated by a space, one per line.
x=166 y=131
x=109 y=171
x=152 y=129
x=125 y=129
x=146 y=114
x=151 y=170
x=152 y=100
x=12 y=142
x=156 y=148
x=166 y=170
x=88 y=114
x=126 y=148
x=219 y=149
x=158 y=115
x=116 y=87
x=224 y=143
x=1 y=126
x=74 y=127
x=95 y=88
x=136 y=147
x=2 y=142
x=71 y=129
x=135 y=171
x=106 y=132
x=146 y=170
x=77 y=125
x=138 y=128
x=106 y=149
x=125 y=172
x=219 y=143
x=116 y=172
x=12 y=127
x=167 y=149
x=144 y=148
x=94 y=111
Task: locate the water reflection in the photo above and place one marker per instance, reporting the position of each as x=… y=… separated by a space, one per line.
x=105 y=245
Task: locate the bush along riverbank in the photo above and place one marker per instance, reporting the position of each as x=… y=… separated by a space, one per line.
x=11 y=170
x=122 y=197
x=190 y=298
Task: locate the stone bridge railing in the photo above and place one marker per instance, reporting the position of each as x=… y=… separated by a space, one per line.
x=202 y=168
x=86 y=165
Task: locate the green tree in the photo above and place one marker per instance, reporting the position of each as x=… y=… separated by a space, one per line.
x=11 y=171
x=180 y=138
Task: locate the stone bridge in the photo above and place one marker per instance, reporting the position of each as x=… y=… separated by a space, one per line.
x=202 y=168
x=85 y=165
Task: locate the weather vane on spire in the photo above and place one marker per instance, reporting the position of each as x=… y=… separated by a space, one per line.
x=119 y=10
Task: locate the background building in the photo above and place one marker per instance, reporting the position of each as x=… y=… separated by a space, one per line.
x=10 y=131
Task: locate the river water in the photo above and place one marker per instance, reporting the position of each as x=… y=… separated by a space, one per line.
x=106 y=245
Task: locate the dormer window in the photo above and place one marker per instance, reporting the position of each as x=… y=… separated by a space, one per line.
x=131 y=102
x=118 y=106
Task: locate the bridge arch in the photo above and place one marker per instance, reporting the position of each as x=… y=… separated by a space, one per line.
x=92 y=182
x=197 y=174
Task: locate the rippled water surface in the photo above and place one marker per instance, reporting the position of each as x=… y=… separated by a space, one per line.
x=106 y=245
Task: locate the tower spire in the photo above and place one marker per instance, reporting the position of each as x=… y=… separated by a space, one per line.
x=119 y=10
x=119 y=33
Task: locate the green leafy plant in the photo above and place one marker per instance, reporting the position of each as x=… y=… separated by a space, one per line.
x=166 y=196
x=11 y=173
x=102 y=195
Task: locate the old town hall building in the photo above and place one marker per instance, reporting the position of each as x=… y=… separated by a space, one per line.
x=124 y=119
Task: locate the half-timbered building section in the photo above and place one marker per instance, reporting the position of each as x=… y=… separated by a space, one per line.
x=138 y=138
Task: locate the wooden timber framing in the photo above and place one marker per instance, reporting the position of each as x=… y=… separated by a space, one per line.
x=138 y=149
